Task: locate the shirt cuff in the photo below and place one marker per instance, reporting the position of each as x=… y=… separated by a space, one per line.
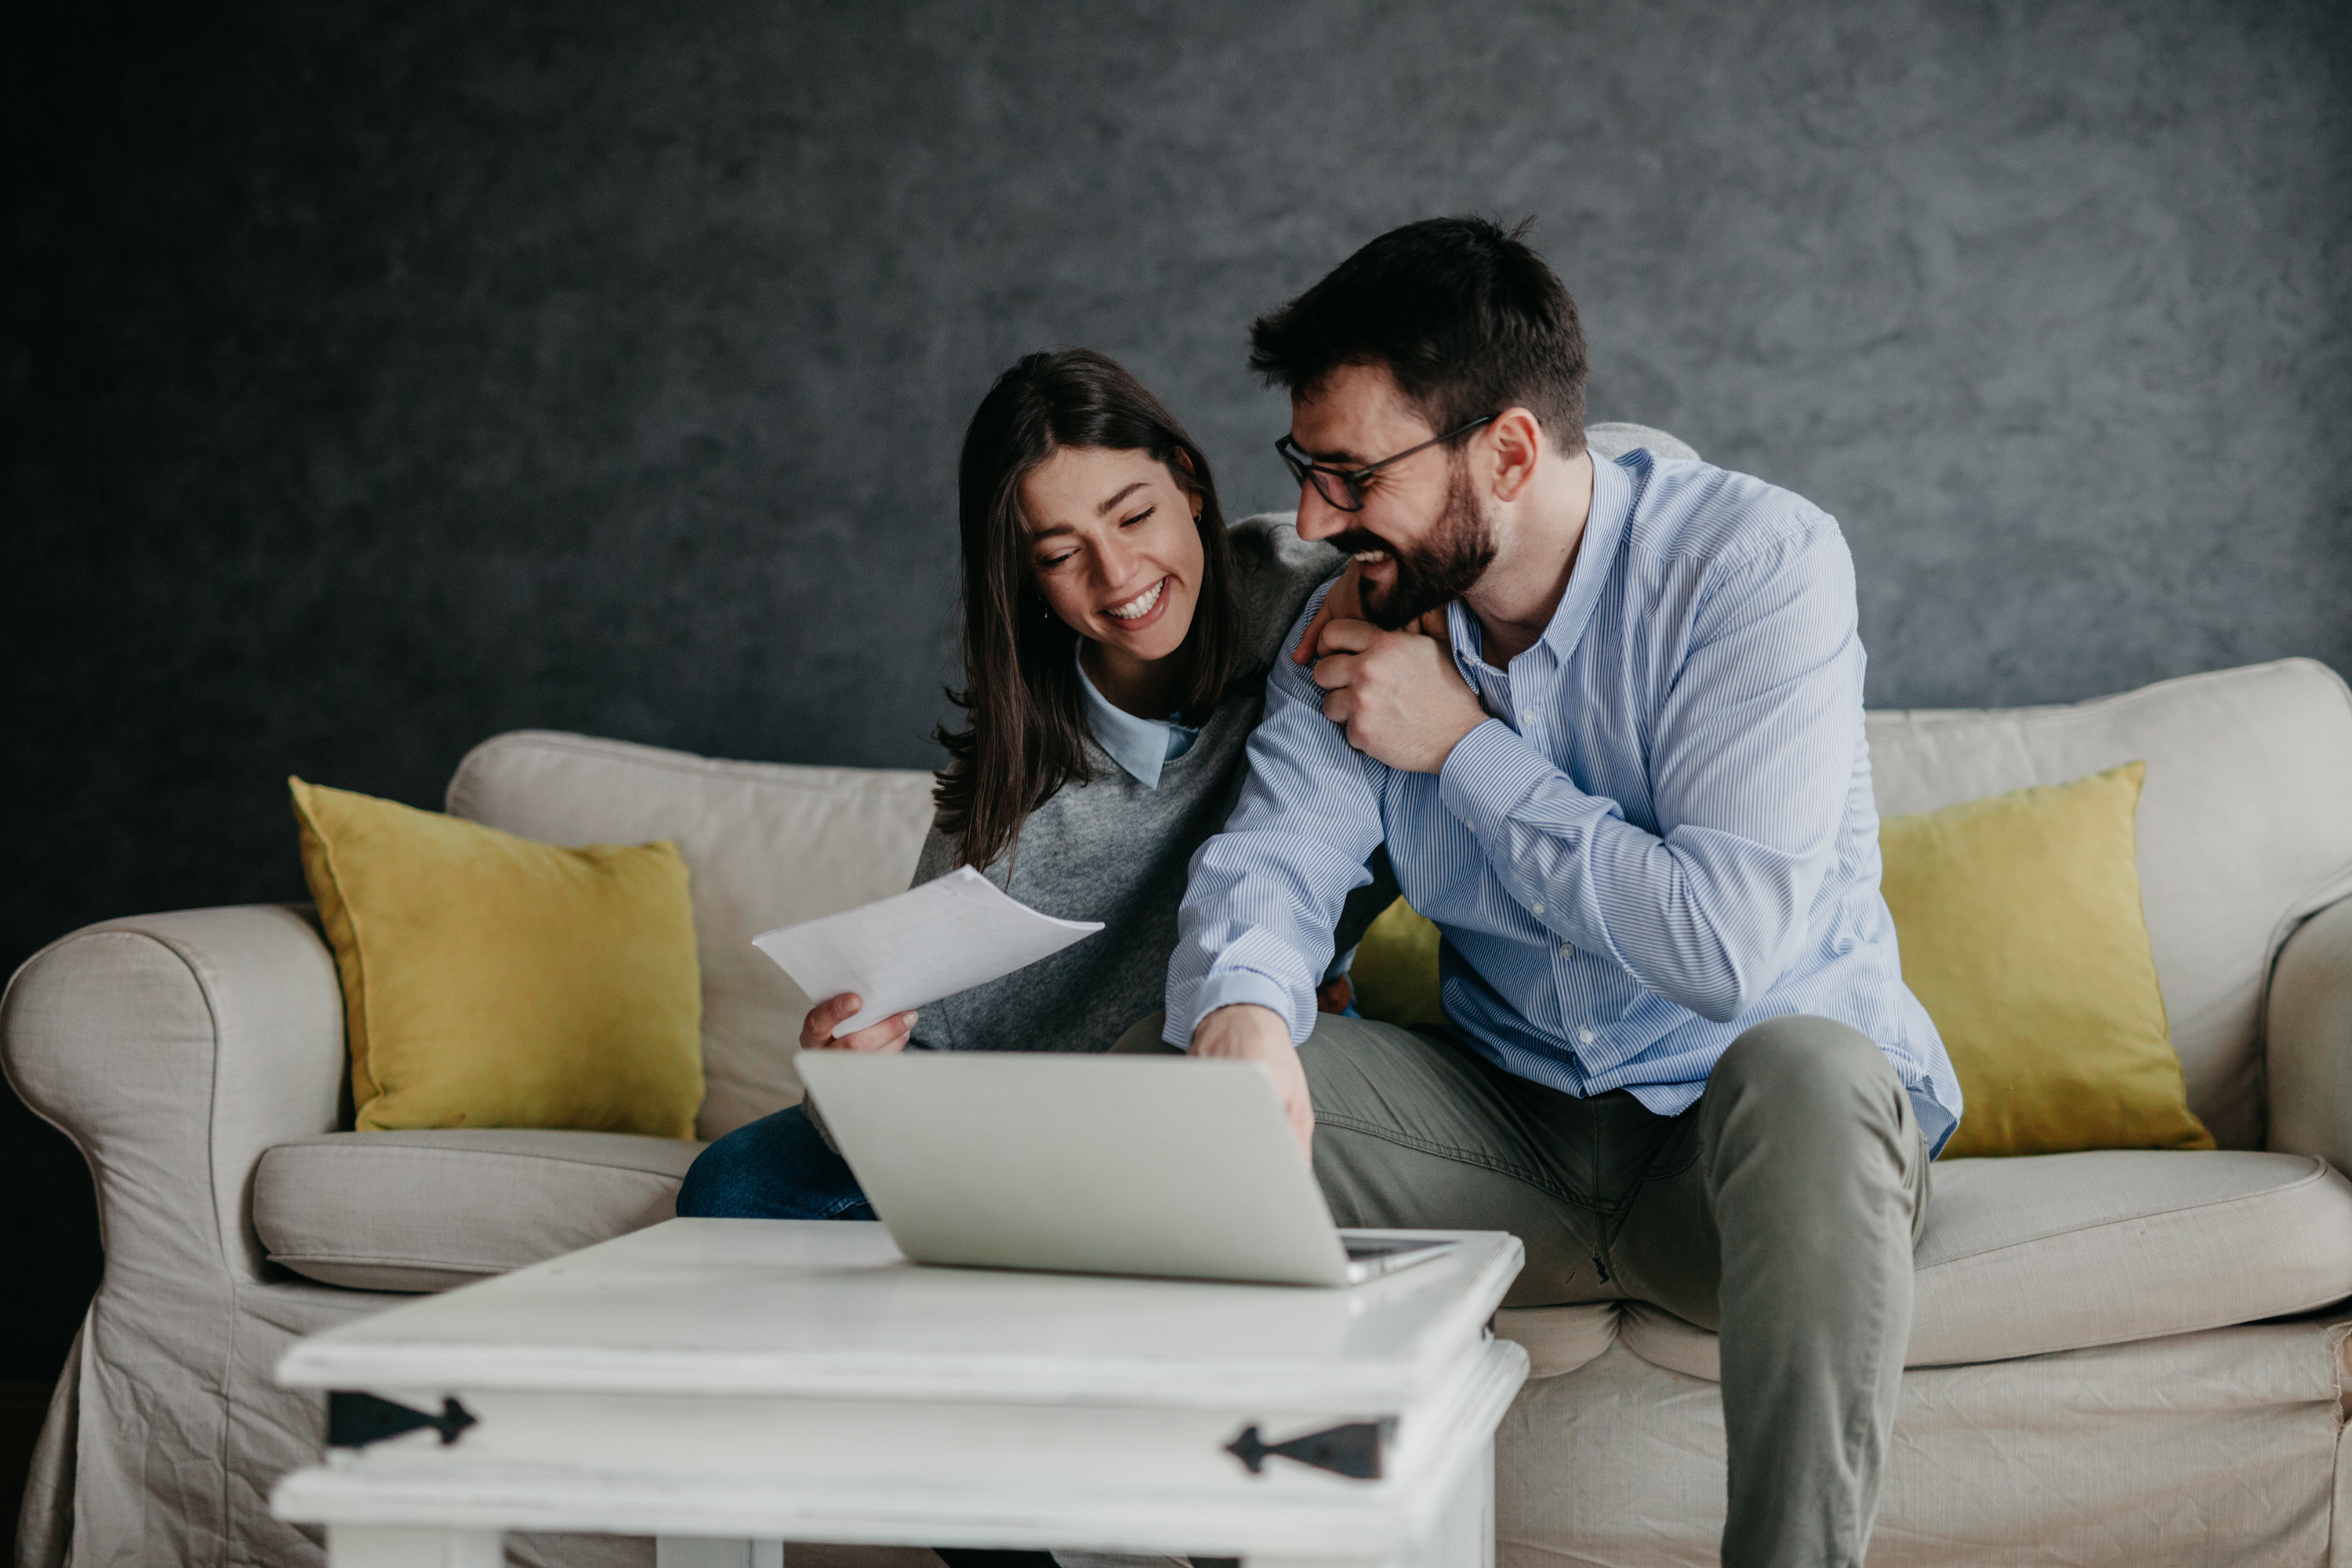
x=1489 y=771
x=1935 y=1119
x=1232 y=986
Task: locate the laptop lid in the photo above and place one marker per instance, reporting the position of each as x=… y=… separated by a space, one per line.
x=1093 y=1164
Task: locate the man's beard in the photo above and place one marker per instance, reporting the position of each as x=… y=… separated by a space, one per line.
x=1436 y=573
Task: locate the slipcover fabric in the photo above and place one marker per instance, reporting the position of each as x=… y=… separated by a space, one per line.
x=177 y=1049
x=429 y=1210
x=2309 y=1022
x=1558 y=1339
x=2176 y=1453
x=2058 y=1252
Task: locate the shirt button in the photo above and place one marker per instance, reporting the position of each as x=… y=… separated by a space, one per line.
x=1568 y=950
x=1584 y=1037
x=1535 y=909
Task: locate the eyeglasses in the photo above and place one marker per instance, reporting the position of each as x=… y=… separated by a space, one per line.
x=1349 y=482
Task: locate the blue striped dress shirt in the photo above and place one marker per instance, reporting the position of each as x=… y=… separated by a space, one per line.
x=1663 y=835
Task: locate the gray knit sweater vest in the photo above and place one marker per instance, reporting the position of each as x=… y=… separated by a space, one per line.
x=1110 y=850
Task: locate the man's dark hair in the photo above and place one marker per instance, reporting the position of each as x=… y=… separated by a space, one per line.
x=1463 y=311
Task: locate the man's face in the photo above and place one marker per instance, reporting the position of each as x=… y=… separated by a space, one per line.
x=1422 y=538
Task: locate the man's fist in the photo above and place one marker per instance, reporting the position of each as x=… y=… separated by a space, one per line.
x=1248 y=1033
x=1397 y=694
x=1343 y=603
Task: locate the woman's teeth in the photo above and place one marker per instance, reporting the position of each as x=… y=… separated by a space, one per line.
x=1140 y=605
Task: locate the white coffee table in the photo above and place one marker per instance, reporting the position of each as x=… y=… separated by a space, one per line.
x=727 y=1385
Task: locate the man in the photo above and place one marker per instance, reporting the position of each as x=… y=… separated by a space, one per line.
x=1630 y=787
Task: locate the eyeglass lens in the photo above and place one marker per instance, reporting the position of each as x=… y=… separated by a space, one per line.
x=1332 y=487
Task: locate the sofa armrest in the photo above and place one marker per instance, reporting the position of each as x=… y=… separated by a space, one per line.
x=175 y=1049
x=2308 y=1024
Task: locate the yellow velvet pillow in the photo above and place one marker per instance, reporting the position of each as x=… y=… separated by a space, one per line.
x=489 y=981
x=2021 y=934
x=1395 y=970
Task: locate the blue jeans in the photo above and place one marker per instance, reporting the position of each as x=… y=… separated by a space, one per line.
x=778 y=1167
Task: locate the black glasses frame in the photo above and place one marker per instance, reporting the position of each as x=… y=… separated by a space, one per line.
x=1306 y=470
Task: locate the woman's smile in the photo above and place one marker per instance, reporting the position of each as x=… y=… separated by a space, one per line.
x=1142 y=610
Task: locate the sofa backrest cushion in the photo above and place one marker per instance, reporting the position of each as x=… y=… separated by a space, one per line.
x=2245 y=828
x=766 y=844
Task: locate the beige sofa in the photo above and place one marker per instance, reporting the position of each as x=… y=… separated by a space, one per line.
x=2119 y=1358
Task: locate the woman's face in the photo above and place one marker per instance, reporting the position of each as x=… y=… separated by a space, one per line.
x=1113 y=540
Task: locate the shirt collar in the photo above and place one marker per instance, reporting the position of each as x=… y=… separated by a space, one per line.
x=1596 y=558
x=1140 y=746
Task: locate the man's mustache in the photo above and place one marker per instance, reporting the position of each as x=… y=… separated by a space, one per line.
x=1356 y=541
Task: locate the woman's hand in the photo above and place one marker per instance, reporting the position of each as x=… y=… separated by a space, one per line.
x=816 y=1029
x=1344 y=603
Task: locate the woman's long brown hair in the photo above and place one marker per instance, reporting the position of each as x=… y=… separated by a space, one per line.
x=1028 y=735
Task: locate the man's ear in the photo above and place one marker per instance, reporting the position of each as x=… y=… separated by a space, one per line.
x=1516 y=439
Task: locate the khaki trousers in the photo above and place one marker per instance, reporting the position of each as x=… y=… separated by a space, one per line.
x=1780 y=1211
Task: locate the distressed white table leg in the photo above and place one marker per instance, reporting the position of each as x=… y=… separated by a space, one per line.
x=1462 y=1537
x=376 y=1546
x=1465 y=1537
x=713 y=1552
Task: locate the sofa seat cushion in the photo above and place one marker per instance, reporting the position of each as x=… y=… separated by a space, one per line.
x=2060 y=1252
x=1559 y=1339
x=429 y=1210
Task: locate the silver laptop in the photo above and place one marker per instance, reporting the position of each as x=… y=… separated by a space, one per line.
x=1111 y=1164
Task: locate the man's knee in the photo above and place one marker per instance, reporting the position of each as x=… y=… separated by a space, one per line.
x=1814 y=1069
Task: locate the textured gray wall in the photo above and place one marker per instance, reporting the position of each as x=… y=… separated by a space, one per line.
x=378 y=377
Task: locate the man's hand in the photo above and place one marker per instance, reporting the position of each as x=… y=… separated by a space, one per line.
x=816 y=1029
x=1343 y=603
x=1248 y=1033
x=1397 y=694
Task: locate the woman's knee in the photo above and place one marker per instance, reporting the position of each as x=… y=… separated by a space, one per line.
x=778 y=1167
x=716 y=1182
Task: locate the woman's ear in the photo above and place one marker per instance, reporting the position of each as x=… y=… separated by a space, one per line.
x=1188 y=478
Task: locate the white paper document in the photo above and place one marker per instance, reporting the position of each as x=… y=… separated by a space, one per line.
x=948 y=935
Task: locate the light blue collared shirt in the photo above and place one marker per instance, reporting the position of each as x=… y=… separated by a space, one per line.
x=1140 y=746
x=1664 y=834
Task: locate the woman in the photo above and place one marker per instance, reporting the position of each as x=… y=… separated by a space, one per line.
x=1117 y=635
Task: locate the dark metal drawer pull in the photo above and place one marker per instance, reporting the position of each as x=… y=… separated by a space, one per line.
x=354 y=1419
x=1350 y=1450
